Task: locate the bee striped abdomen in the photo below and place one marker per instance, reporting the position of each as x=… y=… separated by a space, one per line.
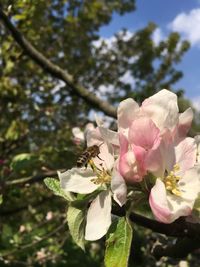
x=83 y=159
x=87 y=155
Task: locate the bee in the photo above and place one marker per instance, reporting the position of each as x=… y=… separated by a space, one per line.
x=87 y=155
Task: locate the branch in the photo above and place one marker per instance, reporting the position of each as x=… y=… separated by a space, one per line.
x=55 y=70
x=179 y=228
x=179 y=250
x=31 y=179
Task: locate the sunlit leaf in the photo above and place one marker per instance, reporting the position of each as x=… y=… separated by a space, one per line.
x=54 y=185
x=76 y=222
x=118 y=244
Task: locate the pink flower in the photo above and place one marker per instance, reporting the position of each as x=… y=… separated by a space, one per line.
x=143 y=130
x=178 y=185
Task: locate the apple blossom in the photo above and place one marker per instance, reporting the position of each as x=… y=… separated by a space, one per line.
x=178 y=185
x=143 y=129
x=104 y=176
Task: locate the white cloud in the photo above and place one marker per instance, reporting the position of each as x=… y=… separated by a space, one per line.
x=128 y=78
x=188 y=24
x=157 y=36
x=110 y=42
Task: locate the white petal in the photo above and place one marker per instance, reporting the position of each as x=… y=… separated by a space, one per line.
x=105 y=158
x=94 y=137
x=78 y=181
x=109 y=136
x=185 y=120
x=185 y=153
x=126 y=113
x=119 y=188
x=78 y=133
x=98 y=216
x=197 y=140
x=162 y=108
x=189 y=184
x=179 y=206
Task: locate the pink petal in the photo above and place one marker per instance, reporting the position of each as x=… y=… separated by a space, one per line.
x=131 y=161
x=155 y=161
x=158 y=202
x=144 y=133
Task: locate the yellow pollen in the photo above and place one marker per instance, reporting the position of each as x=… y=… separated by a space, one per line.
x=103 y=176
x=171 y=180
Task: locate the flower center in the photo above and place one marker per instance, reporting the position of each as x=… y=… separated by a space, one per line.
x=103 y=176
x=171 y=181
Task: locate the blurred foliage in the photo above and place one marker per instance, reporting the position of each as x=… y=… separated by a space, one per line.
x=38 y=113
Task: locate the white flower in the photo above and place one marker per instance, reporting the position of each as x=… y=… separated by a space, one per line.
x=104 y=175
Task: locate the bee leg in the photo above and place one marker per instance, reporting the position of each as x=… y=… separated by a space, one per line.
x=99 y=158
x=92 y=165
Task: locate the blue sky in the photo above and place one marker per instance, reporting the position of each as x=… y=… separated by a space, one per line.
x=172 y=15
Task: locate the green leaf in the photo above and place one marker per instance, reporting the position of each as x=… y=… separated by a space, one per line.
x=24 y=162
x=76 y=221
x=54 y=185
x=1 y=199
x=118 y=244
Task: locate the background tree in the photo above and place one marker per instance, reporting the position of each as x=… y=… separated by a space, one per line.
x=40 y=103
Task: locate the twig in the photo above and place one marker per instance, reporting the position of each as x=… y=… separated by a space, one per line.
x=31 y=179
x=55 y=70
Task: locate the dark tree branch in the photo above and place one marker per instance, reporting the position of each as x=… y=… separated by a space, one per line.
x=179 y=228
x=55 y=70
x=179 y=250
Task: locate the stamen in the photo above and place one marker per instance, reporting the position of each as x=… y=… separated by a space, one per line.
x=171 y=180
x=103 y=176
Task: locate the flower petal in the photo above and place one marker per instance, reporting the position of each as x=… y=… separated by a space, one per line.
x=158 y=202
x=185 y=153
x=98 y=216
x=185 y=121
x=105 y=158
x=162 y=108
x=144 y=133
x=119 y=188
x=126 y=113
x=179 y=207
x=189 y=184
x=78 y=181
x=109 y=136
x=94 y=137
x=197 y=140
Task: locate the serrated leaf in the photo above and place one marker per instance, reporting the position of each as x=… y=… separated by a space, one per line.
x=118 y=244
x=76 y=221
x=54 y=185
